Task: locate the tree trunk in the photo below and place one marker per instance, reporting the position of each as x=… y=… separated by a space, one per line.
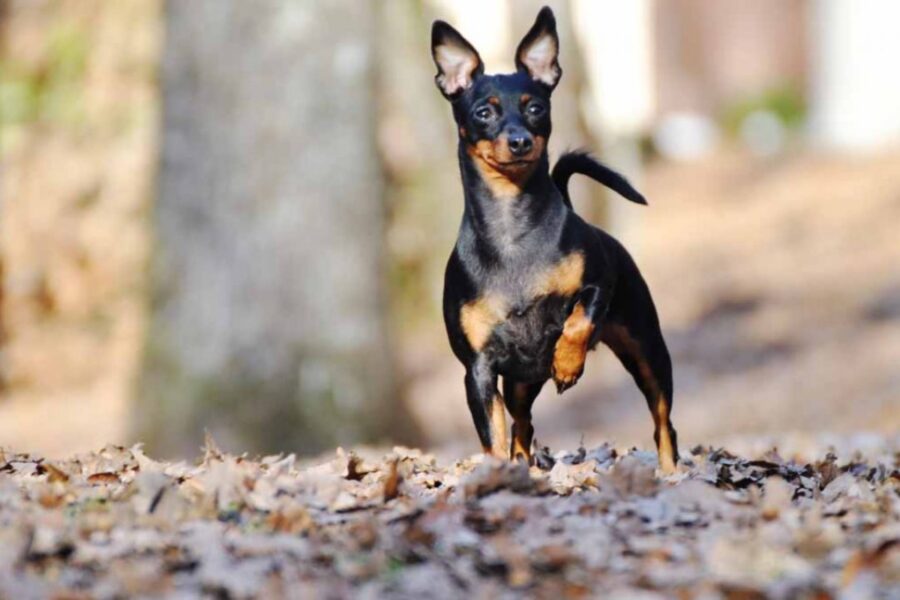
x=268 y=320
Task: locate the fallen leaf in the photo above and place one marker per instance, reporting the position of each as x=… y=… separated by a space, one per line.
x=391 y=487
x=55 y=474
x=104 y=478
x=631 y=475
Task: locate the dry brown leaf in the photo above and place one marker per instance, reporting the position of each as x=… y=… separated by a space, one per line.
x=55 y=474
x=492 y=475
x=630 y=475
x=391 y=488
x=777 y=498
x=552 y=557
x=292 y=519
x=104 y=478
x=51 y=500
x=568 y=478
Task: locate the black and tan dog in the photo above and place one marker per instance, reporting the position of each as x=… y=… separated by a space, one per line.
x=530 y=286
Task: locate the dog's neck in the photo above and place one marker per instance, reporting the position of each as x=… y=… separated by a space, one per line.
x=514 y=223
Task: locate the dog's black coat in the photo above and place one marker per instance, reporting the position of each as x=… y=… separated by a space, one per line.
x=530 y=286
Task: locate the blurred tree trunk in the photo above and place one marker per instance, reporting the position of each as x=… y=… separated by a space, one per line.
x=268 y=320
x=4 y=23
x=3 y=366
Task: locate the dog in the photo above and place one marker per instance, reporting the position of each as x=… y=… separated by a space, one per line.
x=530 y=287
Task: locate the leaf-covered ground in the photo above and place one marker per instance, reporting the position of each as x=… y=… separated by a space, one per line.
x=593 y=523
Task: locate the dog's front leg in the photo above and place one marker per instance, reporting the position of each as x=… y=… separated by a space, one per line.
x=486 y=406
x=572 y=346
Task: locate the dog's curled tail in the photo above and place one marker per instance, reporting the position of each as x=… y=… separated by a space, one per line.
x=582 y=162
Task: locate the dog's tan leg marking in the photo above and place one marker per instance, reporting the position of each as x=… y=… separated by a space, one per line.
x=519 y=448
x=664 y=444
x=522 y=431
x=499 y=441
x=571 y=348
x=621 y=341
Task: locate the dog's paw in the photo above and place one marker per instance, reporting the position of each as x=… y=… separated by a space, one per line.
x=571 y=349
x=564 y=382
x=568 y=363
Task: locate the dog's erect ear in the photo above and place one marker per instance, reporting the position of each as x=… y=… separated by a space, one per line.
x=539 y=49
x=457 y=61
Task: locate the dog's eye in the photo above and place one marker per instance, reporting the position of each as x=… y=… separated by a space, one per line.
x=484 y=113
x=535 y=110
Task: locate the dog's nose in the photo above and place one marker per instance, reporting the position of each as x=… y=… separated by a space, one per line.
x=520 y=144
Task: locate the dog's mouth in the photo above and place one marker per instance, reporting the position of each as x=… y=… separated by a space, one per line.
x=517 y=161
x=509 y=164
x=505 y=173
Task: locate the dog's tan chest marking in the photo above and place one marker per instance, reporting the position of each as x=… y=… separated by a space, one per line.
x=563 y=279
x=480 y=316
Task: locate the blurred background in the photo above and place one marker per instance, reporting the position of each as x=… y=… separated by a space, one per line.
x=235 y=216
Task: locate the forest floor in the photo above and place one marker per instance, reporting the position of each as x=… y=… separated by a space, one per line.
x=590 y=523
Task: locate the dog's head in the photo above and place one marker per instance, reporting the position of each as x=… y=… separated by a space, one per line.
x=504 y=120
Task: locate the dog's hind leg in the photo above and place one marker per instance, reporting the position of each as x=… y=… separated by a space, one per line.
x=519 y=397
x=632 y=332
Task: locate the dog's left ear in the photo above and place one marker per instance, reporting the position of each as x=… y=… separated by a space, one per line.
x=538 y=51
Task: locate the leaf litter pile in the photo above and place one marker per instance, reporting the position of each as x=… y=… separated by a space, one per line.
x=593 y=523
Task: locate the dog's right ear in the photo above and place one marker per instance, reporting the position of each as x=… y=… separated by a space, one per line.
x=457 y=61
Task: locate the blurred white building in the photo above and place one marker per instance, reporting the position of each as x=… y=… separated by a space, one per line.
x=854 y=90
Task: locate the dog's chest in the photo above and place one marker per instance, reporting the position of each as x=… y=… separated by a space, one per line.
x=521 y=346
x=527 y=285
x=519 y=315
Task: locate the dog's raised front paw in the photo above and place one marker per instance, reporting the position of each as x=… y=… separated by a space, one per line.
x=568 y=363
